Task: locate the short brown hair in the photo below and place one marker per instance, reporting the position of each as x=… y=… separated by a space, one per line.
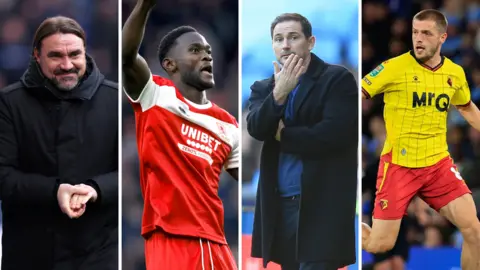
x=434 y=15
x=306 y=26
x=54 y=25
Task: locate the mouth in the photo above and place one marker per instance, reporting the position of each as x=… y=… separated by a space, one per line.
x=208 y=70
x=285 y=56
x=67 y=75
x=419 y=48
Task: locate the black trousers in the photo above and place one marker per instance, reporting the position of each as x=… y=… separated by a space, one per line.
x=286 y=238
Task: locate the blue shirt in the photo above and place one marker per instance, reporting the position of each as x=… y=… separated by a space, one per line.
x=290 y=167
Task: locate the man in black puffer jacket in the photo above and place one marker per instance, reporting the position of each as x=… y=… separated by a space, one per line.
x=59 y=158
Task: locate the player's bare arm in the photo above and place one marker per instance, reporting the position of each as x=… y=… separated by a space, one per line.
x=234 y=173
x=471 y=113
x=135 y=69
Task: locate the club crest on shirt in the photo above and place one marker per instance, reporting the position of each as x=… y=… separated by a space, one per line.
x=376 y=71
x=183 y=108
x=383 y=204
x=222 y=131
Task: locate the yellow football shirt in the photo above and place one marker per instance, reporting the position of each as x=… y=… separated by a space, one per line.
x=417 y=99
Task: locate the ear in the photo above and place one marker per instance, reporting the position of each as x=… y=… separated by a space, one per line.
x=170 y=65
x=311 y=43
x=36 y=54
x=443 y=37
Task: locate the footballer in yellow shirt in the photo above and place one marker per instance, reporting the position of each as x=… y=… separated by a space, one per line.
x=418 y=89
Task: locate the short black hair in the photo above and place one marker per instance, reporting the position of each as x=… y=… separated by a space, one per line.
x=169 y=40
x=285 y=17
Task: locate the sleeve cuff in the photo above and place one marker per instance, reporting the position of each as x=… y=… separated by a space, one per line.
x=367 y=95
x=464 y=105
x=55 y=188
x=278 y=107
x=92 y=183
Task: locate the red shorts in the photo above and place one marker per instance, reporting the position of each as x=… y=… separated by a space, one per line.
x=437 y=185
x=165 y=251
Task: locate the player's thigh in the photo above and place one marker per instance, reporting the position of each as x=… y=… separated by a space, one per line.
x=461 y=212
x=396 y=186
x=447 y=193
x=221 y=257
x=165 y=251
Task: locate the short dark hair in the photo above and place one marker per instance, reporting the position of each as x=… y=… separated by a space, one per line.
x=58 y=24
x=169 y=40
x=306 y=26
x=434 y=15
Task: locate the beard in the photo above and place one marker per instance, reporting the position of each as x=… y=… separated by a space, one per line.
x=67 y=83
x=193 y=79
x=429 y=53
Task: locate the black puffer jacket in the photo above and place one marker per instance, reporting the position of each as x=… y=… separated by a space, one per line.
x=47 y=137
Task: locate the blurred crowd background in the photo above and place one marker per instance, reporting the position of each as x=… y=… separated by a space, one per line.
x=386 y=33
x=218 y=22
x=335 y=26
x=18 y=24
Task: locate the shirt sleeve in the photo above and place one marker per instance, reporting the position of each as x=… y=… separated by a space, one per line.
x=378 y=80
x=233 y=160
x=462 y=94
x=147 y=98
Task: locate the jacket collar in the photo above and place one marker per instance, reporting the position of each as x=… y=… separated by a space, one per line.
x=34 y=80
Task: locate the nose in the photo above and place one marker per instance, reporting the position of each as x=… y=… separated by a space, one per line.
x=66 y=64
x=207 y=57
x=285 y=45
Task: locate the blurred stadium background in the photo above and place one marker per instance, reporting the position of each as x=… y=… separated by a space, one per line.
x=18 y=24
x=335 y=25
x=428 y=241
x=218 y=22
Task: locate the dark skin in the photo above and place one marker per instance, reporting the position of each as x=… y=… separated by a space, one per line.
x=188 y=63
x=184 y=64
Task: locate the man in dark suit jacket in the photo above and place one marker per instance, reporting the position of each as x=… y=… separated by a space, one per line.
x=307 y=117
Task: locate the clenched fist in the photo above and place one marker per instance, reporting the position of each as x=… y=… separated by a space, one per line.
x=72 y=200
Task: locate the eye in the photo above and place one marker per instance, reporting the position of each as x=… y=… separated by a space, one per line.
x=195 y=50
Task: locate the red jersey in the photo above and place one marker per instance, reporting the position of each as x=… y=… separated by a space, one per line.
x=182 y=148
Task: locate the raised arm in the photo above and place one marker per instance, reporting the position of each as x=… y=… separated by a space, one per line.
x=135 y=69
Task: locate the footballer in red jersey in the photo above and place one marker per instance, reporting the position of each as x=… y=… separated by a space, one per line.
x=184 y=141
